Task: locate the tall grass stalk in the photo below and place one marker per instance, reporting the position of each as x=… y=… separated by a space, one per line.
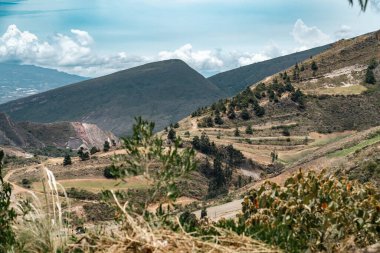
x=42 y=227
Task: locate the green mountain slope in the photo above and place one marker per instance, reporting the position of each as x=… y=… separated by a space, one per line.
x=163 y=92
x=293 y=116
x=234 y=81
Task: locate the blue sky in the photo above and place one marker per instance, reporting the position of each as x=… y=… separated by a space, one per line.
x=96 y=37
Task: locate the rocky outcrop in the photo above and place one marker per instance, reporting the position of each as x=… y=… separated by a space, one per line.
x=89 y=135
x=60 y=134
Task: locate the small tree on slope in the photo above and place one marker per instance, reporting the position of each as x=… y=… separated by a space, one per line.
x=7 y=213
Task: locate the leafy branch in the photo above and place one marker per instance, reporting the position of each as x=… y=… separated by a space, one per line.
x=147 y=155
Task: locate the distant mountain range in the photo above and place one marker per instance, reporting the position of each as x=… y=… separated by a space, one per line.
x=163 y=92
x=17 y=81
x=236 y=80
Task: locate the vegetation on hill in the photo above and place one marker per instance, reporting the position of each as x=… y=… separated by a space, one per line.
x=48 y=228
x=236 y=80
x=311 y=212
x=8 y=214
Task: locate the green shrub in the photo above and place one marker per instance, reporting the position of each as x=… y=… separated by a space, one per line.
x=314 y=66
x=285 y=131
x=249 y=130
x=142 y=149
x=106 y=146
x=26 y=183
x=67 y=160
x=311 y=212
x=94 y=150
x=370 y=77
x=7 y=213
x=109 y=172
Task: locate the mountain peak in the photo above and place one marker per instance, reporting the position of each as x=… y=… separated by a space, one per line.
x=163 y=92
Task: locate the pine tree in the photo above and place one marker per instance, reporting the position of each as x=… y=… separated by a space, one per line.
x=218 y=172
x=218 y=120
x=289 y=87
x=285 y=131
x=237 y=132
x=259 y=110
x=274 y=155
x=106 y=146
x=249 y=130
x=231 y=113
x=67 y=160
x=314 y=66
x=245 y=115
x=373 y=64
x=80 y=151
x=85 y=156
x=271 y=95
x=299 y=98
x=8 y=215
x=172 y=134
x=203 y=213
x=370 y=77
x=94 y=150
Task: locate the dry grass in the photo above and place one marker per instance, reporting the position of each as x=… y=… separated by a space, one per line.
x=42 y=229
x=349 y=90
x=41 y=226
x=162 y=241
x=136 y=235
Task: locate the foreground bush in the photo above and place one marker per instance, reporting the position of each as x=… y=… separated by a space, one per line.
x=7 y=213
x=311 y=212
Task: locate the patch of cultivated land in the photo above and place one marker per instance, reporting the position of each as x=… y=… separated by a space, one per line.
x=344 y=81
x=98 y=184
x=350 y=150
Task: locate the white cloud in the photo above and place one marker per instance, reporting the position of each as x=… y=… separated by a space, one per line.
x=73 y=53
x=343 y=32
x=248 y=58
x=83 y=37
x=212 y=61
x=205 y=59
x=309 y=37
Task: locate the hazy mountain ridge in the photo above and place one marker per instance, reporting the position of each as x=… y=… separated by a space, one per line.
x=17 y=81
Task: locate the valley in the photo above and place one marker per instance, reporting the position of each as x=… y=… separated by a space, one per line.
x=318 y=115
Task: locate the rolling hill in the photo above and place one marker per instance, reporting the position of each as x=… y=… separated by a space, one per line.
x=17 y=81
x=163 y=92
x=235 y=80
x=312 y=115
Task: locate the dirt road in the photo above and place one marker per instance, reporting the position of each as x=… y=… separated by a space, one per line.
x=227 y=210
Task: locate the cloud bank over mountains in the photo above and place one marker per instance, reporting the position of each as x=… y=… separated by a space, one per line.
x=74 y=53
